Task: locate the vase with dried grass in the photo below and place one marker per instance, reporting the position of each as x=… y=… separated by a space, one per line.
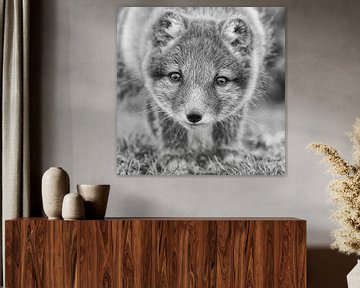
x=345 y=192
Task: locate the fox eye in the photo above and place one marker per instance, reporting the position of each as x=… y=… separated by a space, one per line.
x=221 y=81
x=175 y=76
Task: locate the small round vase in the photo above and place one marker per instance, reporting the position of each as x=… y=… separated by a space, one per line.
x=96 y=198
x=55 y=185
x=73 y=207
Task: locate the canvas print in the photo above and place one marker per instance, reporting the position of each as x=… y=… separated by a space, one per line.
x=201 y=91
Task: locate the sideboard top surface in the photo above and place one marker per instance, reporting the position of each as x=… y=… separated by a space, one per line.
x=175 y=219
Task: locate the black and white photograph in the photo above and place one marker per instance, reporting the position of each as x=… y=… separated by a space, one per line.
x=201 y=91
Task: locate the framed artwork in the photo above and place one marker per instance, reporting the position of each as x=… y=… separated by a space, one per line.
x=201 y=91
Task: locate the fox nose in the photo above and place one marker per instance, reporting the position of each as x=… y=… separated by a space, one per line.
x=194 y=116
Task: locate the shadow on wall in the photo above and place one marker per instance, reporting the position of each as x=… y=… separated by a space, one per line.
x=328 y=268
x=35 y=64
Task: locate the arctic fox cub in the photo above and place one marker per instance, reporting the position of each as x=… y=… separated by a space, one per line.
x=200 y=67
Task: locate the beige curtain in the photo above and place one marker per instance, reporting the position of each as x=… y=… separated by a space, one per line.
x=14 y=27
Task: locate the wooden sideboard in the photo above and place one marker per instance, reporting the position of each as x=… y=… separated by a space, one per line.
x=156 y=252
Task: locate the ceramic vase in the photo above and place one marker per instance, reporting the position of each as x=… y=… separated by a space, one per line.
x=55 y=185
x=353 y=278
x=96 y=198
x=73 y=207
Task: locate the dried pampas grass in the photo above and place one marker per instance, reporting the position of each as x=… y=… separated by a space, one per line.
x=345 y=191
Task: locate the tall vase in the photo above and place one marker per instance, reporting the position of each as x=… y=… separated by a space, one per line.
x=353 y=278
x=55 y=185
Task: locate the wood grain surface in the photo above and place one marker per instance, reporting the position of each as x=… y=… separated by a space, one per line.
x=161 y=252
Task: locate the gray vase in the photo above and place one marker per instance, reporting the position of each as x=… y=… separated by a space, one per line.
x=55 y=185
x=73 y=207
x=96 y=198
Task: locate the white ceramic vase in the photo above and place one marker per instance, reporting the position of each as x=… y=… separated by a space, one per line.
x=96 y=198
x=73 y=207
x=353 y=278
x=55 y=185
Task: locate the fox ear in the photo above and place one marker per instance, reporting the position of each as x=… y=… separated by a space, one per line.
x=168 y=27
x=237 y=34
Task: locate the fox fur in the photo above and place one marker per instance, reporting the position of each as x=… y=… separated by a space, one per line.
x=195 y=63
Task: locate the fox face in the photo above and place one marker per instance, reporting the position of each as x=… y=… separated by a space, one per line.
x=200 y=70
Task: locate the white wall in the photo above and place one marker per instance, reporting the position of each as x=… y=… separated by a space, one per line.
x=77 y=74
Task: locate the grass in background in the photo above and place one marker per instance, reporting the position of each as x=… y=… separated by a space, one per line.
x=137 y=153
x=139 y=157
